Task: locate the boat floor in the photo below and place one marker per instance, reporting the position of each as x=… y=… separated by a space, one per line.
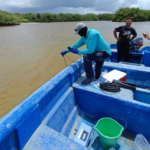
x=49 y=138
x=125 y=142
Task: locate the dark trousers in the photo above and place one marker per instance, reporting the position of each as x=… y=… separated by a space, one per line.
x=99 y=58
x=123 y=52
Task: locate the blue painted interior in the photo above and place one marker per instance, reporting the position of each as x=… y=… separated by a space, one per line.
x=27 y=127
x=60 y=112
x=70 y=122
x=48 y=139
x=134 y=57
x=141 y=56
x=45 y=119
x=102 y=105
x=113 y=57
x=11 y=143
x=142 y=96
x=147 y=57
x=137 y=75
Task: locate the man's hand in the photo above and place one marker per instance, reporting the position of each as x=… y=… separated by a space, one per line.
x=133 y=37
x=146 y=35
x=115 y=35
x=74 y=51
x=63 y=53
x=117 y=38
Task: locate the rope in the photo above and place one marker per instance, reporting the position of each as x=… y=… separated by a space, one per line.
x=110 y=87
x=65 y=61
x=108 y=93
x=68 y=59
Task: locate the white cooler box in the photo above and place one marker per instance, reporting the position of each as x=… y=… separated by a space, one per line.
x=115 y=75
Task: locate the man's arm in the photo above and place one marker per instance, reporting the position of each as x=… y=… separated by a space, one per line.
x=134 y=35
x=90 y=47
x=115 y=35
x=78 y=44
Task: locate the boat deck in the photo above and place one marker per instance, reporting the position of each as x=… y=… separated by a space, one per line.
x=125 y=142
x=123 y=94
x=45 y=137
x=47 y=119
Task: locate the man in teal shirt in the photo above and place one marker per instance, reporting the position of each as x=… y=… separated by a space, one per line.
x=96 y=50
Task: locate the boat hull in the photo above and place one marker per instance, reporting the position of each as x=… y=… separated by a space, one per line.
x=46 y=119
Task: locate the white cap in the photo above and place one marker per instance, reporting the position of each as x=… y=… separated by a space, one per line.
x=79 y=26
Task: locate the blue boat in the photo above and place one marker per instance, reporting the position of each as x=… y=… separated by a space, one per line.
x=51 y=117
x=138 y=54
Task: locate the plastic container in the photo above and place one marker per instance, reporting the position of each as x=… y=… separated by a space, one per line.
x=140 y=143
x=109 y=132
x=115 y=75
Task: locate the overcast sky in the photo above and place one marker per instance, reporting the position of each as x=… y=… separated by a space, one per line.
x=70 y=6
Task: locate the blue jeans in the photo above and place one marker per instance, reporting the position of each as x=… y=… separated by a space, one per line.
x=99 y=58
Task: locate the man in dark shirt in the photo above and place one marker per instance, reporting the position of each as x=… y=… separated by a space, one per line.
x=123 y=40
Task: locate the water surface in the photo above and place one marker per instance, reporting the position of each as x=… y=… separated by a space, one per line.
x=29 y=55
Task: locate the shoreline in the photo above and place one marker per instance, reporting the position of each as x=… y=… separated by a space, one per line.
x=2 y=25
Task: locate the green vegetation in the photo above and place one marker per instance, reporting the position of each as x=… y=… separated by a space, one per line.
x=120 y=16
x=13 y=18
x=48 y=17
x=7 y=18
x=135 y=13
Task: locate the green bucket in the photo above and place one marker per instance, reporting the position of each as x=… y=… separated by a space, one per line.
x=109 y=132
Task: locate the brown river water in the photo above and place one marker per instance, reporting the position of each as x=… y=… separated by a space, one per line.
x=30 y=55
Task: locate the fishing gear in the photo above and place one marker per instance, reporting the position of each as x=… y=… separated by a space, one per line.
x=65 y=61
x=125 y=85
x=63 y=54
x=110 y=87
x=116 y=85
x=68 y=57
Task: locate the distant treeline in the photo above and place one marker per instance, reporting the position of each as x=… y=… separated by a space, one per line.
x=135 y=13
x=11 y=18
